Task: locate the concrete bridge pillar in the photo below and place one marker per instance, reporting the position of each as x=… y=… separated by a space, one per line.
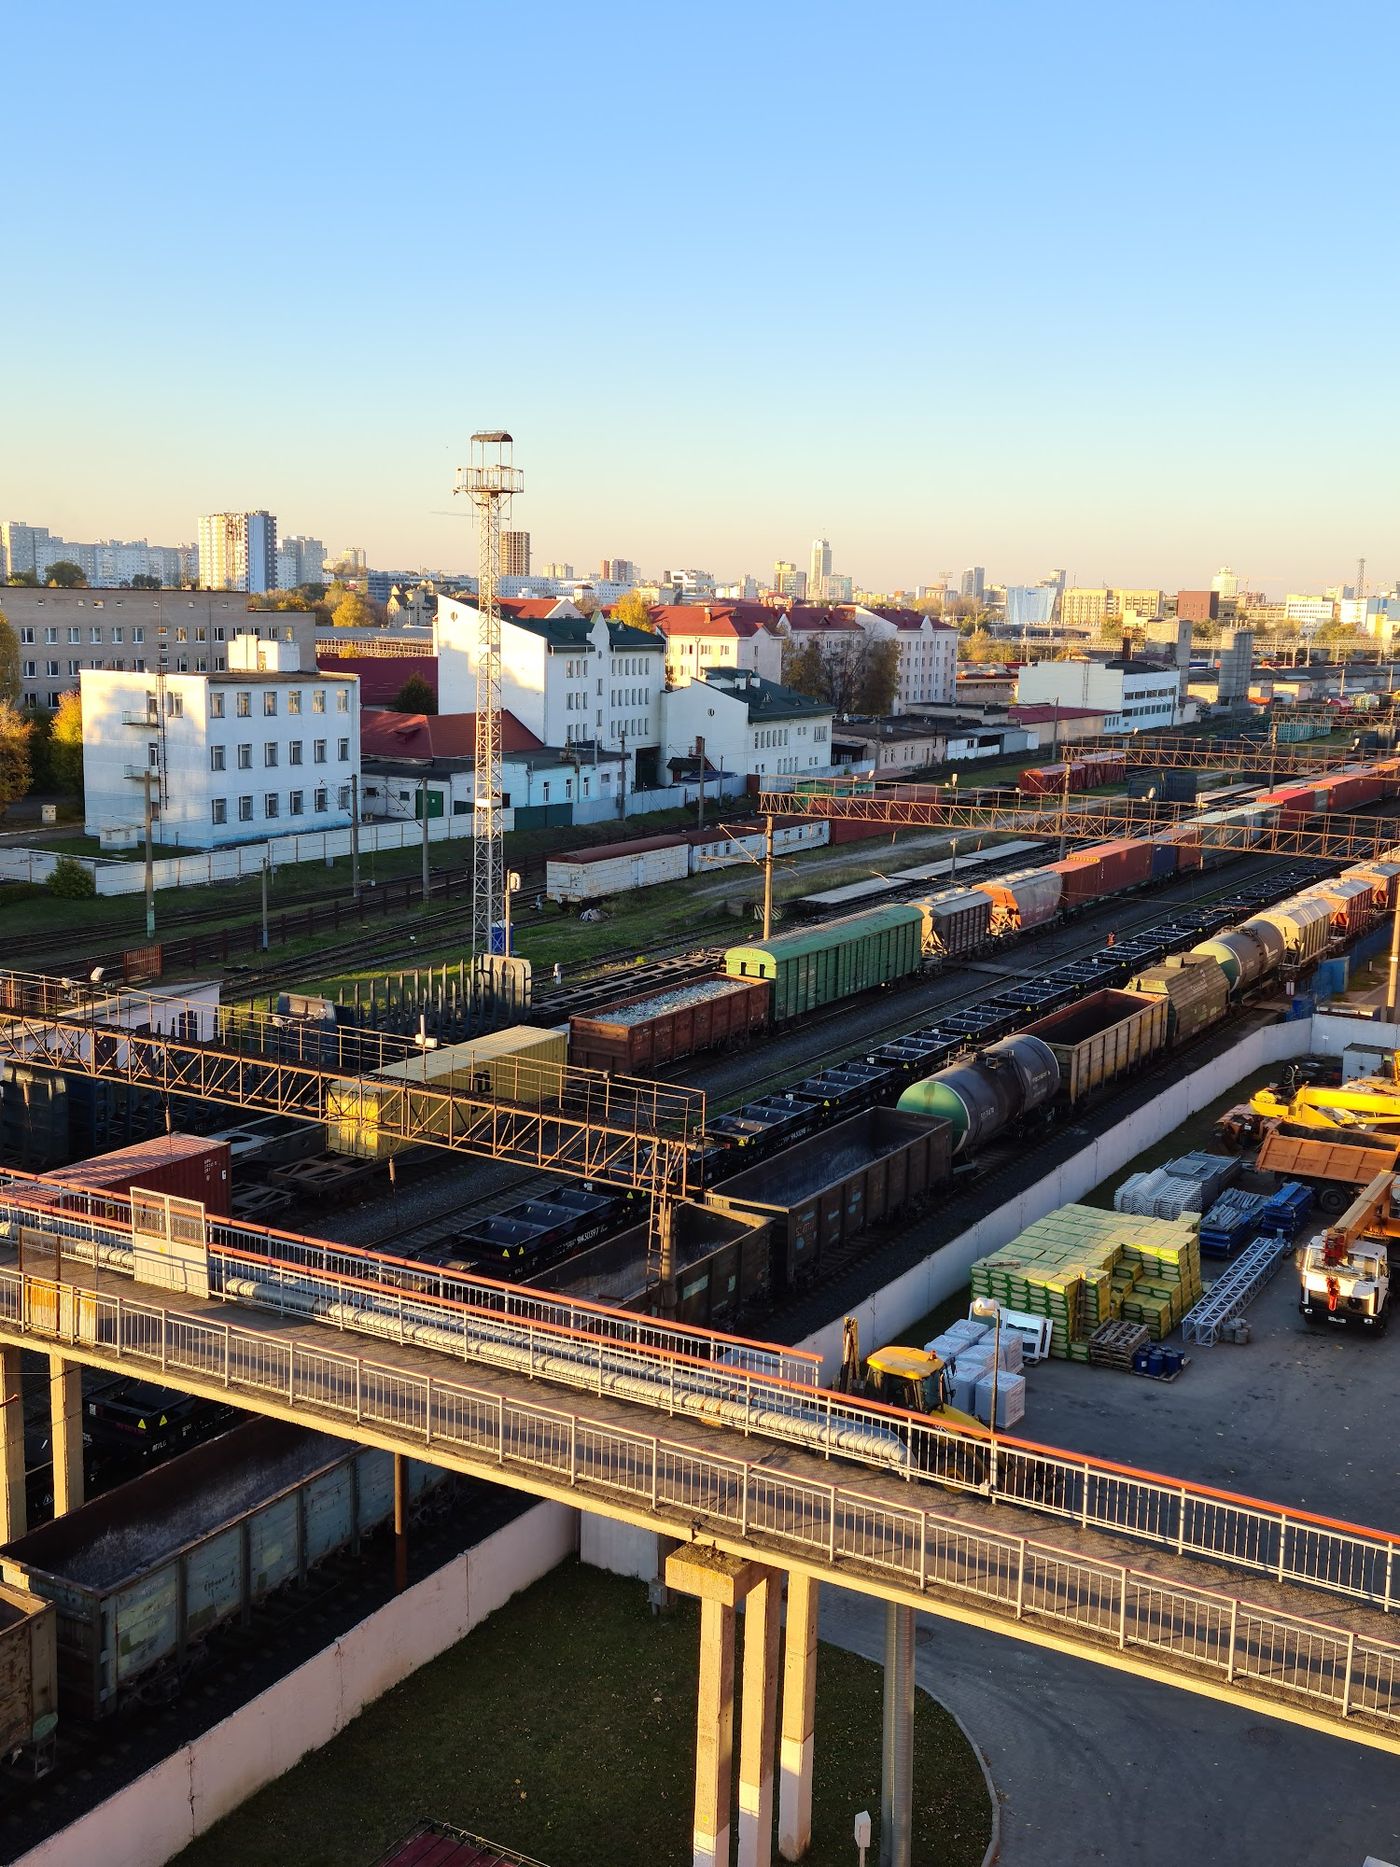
x=721 y=1582
x=66 y=1433
x=799 y=1718
x=897 y=1774
x=14 y=1517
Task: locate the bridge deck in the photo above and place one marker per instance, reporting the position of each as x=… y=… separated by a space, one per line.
x=1282 y=1648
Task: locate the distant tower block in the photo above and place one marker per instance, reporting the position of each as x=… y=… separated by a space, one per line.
x=490 y=482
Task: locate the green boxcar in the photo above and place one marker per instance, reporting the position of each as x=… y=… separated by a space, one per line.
x=821 y=965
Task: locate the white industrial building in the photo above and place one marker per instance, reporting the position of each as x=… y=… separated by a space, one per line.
x=1132 y=695
x=750 y=726
x=572 y=680
x=263 y=749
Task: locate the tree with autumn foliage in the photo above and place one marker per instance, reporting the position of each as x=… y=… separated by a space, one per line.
x=16 y=770
x=634 y=610
x=66 y=742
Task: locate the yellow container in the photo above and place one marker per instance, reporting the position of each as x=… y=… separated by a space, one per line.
x=366 y=1115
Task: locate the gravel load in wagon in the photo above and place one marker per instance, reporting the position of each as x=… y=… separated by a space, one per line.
x=636 y=1035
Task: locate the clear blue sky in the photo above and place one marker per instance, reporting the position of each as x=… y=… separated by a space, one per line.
x=1095 y=285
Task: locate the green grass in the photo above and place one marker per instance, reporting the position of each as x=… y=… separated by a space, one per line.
x=565 y=1728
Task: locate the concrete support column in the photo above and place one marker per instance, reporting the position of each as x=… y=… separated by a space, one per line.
x=799 y=1718
x=897 y=1748
x=14 y=1517
x=66 y=1433
x=758 y=1721
x=714 y=1736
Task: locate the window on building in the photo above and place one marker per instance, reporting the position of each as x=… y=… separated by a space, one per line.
x=75 y=636
x=322 y=799
x=318 y=751
x=318 y=700
x=245 y=758
x=216 y=706
x=294 y=752
x=294 y=700
x=218 y=809
x=216 y=758
x=245 y=810
x=269 y=702
x=269 y=754
x=31 y=670
x=118 y=634
x=342 y=699
x=26 y=637
x=342 y=750
x=294 y=804
x=50 y=638
x=182 y=634
x=270 y=804
x=245 y=706
x=219 y=632
x=174 y=706
x=51 y=669
x=95 y=633
x=343 y=797
x=138 y=635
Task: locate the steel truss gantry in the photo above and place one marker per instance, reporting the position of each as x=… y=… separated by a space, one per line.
x=1333 y=839
x=1178 y=752
x=618 y=1130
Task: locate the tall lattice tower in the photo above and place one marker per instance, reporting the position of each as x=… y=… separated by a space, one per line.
x=490 y=482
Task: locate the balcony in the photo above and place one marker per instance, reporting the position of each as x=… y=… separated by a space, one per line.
x=147 y=721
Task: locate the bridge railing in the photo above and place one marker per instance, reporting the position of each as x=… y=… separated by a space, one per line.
x=836 y=1527
x=773 y=1390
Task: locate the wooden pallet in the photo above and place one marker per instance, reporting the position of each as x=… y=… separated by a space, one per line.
x=1113 y=1344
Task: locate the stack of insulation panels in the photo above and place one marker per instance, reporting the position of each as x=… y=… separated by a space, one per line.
x=1190 y=1183
x=1081 y=1267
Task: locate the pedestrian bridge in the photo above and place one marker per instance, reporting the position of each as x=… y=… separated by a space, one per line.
x=720 y=1442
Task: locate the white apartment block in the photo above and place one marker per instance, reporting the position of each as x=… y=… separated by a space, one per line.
x=927 y=650
x=65 y=633
x=238 y=551
x=300 y=560
x=263 y=749
x=572 y=680
x=749 y=725
x=1132 y=695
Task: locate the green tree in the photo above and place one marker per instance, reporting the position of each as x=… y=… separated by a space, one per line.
x=9 y=660
x=415 y=696
x=66 y=734
x=65 y=575
x=16 y=772
x=633 y=609
x=879 y=678
x=23 y=580
x=143 y=581
x=40 y=749
x=804 y=668
x=71 y=880
x=352 y=612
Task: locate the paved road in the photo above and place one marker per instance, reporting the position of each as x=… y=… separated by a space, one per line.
x=1094 y=1766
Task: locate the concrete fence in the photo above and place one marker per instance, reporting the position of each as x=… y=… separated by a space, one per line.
x=153 y=1818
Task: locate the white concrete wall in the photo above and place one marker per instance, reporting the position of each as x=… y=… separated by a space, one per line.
x=886 y=1312
x=152 y=1819
x=620 y=1548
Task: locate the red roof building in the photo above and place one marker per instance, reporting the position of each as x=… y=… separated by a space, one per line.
x=719 y=635
x=382 y=676
x=385 y=734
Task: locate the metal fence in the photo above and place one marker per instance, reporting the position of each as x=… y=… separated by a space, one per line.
x=1332 y=1673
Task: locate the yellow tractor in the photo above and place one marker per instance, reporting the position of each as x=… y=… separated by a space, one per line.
x=913 y=1378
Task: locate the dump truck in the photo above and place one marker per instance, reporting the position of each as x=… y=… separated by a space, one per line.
x=1344 y=1272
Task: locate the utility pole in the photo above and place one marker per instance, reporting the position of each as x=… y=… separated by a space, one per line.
x=490 y=482
x=622 y=777
x=355 y=834
x=150 y=864
x=1392 y=990
x=423 y=791
x=767 y=878
x=700 y=756
x=266 y=942
x=1064 y=806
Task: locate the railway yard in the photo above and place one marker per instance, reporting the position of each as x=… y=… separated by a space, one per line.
x=765 y=1131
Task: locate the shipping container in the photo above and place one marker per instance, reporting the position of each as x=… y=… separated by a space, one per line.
x=1303 y=921
x=721 y=1260
x=837 y=1185
x=638 y=1035
x=523 y=1064
x=1026 y=898
x=1102 y=1038
x=1103 y=869
x=821 y=966
x=141 y=1576
x=1196 y=991
x=1166 y=859
x=956 y=921
x=615 y=868
x=186 y=1166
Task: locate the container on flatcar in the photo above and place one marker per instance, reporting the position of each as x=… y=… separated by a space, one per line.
x=186 y=1166
x=523 y=1063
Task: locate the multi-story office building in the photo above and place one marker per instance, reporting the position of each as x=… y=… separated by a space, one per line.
x=749 y=725
x=1029 y=606
x=1225 y=584
x=1144 y=603
x=1198 y=605
x=974 y=583
x=819 y=569
x=515 y=554
x=1085 y=606
x=789 y=581
x=1310 y=612
x=692 y=585
x=65 y=633
x=1131 y=695
x=619 y=570
x=264 y=748
x=238 y=551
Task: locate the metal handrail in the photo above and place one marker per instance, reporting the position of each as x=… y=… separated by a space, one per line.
x=1185 y=1629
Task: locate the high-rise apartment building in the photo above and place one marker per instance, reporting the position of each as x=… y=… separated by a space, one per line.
x=300 y=560
x=238 y=551
x=1084 y=606
x=515 y=554
x=974 y=583
x=559 y=571
x=18 y=546
x=788 y=580
x=619 y=570
x=819 y=569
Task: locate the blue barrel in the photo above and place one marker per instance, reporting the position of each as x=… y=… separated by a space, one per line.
x=1140 y=1361
x=1155 y=1361
x=1172 y=1359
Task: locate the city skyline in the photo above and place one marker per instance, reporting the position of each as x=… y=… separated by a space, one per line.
x=1133 y=354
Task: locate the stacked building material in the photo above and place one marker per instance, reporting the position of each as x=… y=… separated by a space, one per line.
x=1286 y=1210
x=1082 y=1267
x=1188 y=1184
x=1232 y=1221
x=1230 y=1295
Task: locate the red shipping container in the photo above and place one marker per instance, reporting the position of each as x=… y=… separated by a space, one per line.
x=186 y=1166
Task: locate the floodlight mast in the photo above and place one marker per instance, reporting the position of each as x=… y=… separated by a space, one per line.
x=490 y=482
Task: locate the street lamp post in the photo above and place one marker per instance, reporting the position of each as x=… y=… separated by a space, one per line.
x=987 y=1309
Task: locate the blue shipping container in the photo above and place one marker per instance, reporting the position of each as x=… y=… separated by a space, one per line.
x=1164 y=860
